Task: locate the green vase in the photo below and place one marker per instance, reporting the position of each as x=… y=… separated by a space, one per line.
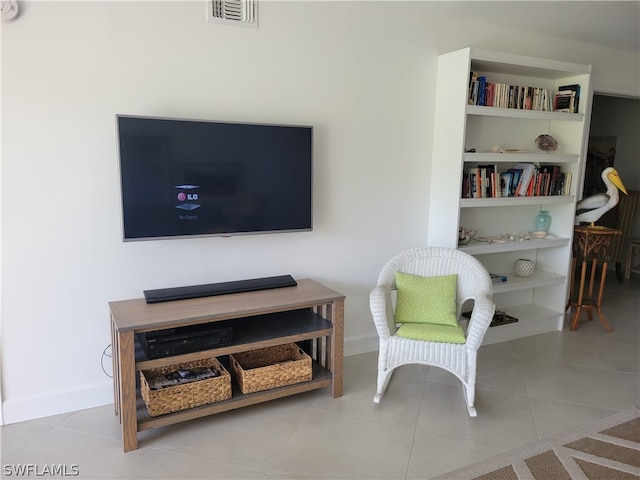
x=543 y=221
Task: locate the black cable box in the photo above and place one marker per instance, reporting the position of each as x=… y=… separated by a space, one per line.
x=222 y=288
x=193 y=338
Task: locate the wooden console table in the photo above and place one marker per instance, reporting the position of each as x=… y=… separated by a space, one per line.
x=323 y=331
x=590 y=244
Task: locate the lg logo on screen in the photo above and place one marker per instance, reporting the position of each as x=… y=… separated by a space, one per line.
x=187 y=197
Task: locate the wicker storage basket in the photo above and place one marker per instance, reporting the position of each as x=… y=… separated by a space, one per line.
x=270 y=367
x=189 y=395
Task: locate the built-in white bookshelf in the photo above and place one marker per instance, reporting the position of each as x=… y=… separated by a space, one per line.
x=538 y=301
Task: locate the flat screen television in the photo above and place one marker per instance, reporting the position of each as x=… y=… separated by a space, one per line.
x=190 y=178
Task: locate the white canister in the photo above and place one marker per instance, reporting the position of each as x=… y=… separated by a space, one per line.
x=524 y=267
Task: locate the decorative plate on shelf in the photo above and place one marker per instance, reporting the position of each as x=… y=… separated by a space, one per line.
x=546 y=143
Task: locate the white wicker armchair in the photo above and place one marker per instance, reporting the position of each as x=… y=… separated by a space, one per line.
x=474 y=283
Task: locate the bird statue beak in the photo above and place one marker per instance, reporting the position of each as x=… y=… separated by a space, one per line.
x=615 y=179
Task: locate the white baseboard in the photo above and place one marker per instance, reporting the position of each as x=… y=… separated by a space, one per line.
x=360 y=344
x=31 y=407
x=56 y=402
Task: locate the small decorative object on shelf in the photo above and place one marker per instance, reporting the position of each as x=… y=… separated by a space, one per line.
x=507 y=237
x=465 y=236
x=523 y=267
x=543 y=221
x=546 y=143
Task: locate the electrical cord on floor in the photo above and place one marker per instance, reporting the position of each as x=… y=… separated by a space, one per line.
x=105 y=354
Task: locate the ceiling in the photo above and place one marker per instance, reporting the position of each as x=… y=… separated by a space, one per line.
x=606 y=23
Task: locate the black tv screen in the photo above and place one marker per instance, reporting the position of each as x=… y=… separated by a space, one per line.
x=182 y=178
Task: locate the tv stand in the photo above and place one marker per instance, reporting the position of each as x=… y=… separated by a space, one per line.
x=322 y=332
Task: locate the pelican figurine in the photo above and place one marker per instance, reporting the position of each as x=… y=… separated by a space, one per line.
x=590 y=209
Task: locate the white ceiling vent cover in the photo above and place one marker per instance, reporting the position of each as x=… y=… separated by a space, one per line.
x=242 y=13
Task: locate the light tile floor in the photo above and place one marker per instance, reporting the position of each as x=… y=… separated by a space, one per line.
x=527 y=389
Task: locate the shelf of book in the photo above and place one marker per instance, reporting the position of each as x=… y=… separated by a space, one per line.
x=521 y=180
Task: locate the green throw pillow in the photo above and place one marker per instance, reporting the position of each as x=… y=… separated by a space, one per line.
x=426 y=299
x=432 y=333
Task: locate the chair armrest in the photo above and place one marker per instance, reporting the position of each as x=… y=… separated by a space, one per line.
x=481 y=317
x=379 y=298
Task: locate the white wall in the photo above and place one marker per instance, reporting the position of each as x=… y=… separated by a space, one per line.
x=362 y=73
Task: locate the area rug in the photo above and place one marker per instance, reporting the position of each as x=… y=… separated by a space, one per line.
x=607 y=449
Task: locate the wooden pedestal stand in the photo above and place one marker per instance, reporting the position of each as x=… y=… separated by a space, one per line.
x=590 y=245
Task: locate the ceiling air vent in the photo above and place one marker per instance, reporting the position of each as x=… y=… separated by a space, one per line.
x=242 y=13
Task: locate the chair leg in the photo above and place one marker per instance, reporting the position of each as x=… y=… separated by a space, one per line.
x=383 y=380
x=619 y=272
x=469 y=390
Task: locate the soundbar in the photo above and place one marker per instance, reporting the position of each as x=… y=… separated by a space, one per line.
x=222 y=288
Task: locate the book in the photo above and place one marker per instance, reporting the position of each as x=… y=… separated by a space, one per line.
x=553 y=183
x=505 y=184
x=567 y=183
x=516 y=173
x=487 y=176
x=525 y=178
x=496 y=279
x=482 y=80
x=496 y=188
x=465 y=185
x=472 y=189
x=559 y=186
x=527 y=99
x=564 y=101
x=575 y=88
x=473 y=79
